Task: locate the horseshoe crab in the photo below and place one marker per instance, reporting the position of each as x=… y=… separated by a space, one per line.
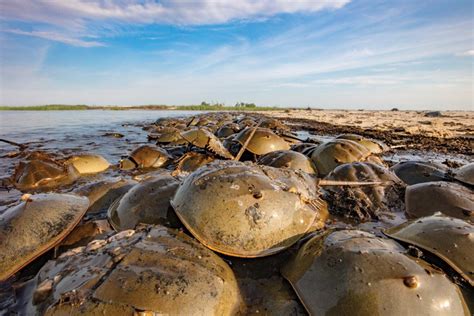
x=374 y=146
x=103 y=193
x=153 y=270
x=262 y=142
x=167 y=135
x=331 y=154
x=355 y=273
x=465 y=174
x=449 y=198
x=203 y=138
x=227 y=130
x=145 y=157
x=39 y=175
x=413 y=172
x=191 y=161
x=87 y=163
x=147 y=202
x=244 y=210
x=288 y=159
x=450 y=239
x=369 y=201
x=36 y=225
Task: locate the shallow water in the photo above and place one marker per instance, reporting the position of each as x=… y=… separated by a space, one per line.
x=76 y=131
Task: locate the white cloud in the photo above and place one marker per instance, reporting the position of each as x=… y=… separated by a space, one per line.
x=197 y=12
x=467 y=53
x=53 y=36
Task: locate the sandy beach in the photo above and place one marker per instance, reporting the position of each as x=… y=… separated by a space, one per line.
x=450 y=124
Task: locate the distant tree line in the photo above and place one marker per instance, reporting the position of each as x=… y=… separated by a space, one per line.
x=221 y=105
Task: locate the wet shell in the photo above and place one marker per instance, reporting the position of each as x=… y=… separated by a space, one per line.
x=151 y=271
x=147 y=202
x=449 y=198
x=145 y=157
x=465 y=174
x=356 y=273
x=263 y=141
x=227 y=130
x=450 y=239
x=167 y=135
x=245 y=210
x=329 y=155
x=86 y=164
x=365 y=202
x=41 y=175
x=413 y=172
x=288 y=159
x=374 y=146
x=191 y=161
x=103 y=193
x=35 y=226
x=203 y=138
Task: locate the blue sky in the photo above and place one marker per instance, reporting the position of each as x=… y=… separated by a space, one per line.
x=328 y=54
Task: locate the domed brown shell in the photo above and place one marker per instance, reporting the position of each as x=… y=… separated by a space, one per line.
x=145 y=157
x=365 y=202
x=147 y=202
x=227 y=130
x=356 y=273
x=153 y=270
x=191 y=161
x=450 y=239
x=413 y=172
x=42 y=175
x=288 y=159
x=88 y=163
x=262 y=142
x=331 y=154
x=35 y=226
x=449 y=198
x=374 y=146
x=465 y=174
x=203 y=138
x=103 y=193
x=245 y=210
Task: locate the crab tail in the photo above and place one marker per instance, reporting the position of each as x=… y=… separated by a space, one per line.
x=351 y=183
x=244 y=146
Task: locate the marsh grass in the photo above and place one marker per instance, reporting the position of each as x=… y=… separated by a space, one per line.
x=64 y=107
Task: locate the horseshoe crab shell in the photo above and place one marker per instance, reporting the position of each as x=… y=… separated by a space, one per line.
x=147 y=202
x=374 y=146
x=262 y=142
x=450 y=239
x=244 y=210
x=35 y=226
x=153 y=270
x=413 y=172
x=465 y=174
x=331 y=154
x=103 y=193
x=449 y=198
x=369 y=201
x=191 y=161
x=43 y=175
x=87 y=163
x=145 y=157
x=356 y=273
x=288 y=159
x=203 y=138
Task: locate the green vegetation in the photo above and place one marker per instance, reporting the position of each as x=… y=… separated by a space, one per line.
x=49 y=107
x=204 y=106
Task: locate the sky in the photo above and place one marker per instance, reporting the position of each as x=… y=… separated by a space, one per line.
x=354 y=54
